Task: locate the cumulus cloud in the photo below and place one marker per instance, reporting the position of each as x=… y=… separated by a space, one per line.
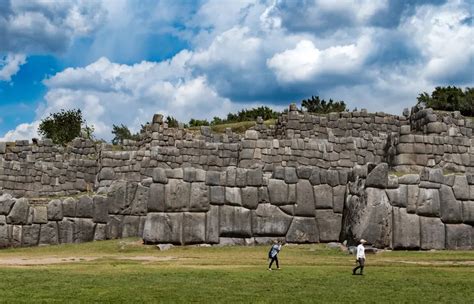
x=22 y=131
x=10 y=65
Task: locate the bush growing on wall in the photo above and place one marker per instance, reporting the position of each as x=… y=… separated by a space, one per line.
x=63 y=126
x=449 y=98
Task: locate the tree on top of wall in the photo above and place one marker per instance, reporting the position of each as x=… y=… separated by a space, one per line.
x=321 y=106
x=62 y=127
x=449 y=98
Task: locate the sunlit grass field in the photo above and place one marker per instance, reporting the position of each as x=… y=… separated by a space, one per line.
x=125 y=271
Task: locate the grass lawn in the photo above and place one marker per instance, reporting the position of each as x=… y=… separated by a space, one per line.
x=124 y=271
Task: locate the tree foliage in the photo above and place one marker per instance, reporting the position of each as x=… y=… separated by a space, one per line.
x=321 y=106
x=121 y=133
x=63 y=126
x=449 y=98
x=251 y=114
x=198 y=122
x=172 y=122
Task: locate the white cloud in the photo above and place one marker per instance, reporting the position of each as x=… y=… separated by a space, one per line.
x=22 y=131
x=10 y=65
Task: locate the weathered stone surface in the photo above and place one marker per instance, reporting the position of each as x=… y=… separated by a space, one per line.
x=304 y=199
x=278 y=191
x=120 y=197
x=412 y=199
x=66 y=231
x=177 y=194
x=233 y=196
x=406 y=230
x=303 y=230
x=199 y=200
x=130 y=226
x=339 y=195
x=290 y=175
x=83 y=230
x=323 y=196
x=19 y=212
x=139 y=204
x=16 y=235
x=450 y=209
x=249 y=197
x=409 y=179
x=55 y=210
x=6 y=203
x=314 y=179
x=468 y=212
x=428 y=202
x=217 y=195
x=40 y=214
x=84 y=207
x=100 y=209
x=159 y=176
x=106 y=173
x=240 y=177
x=212 y=225
x=269 y=220
x=461 y=187
x=432 y=233
x=156 y=200
x=378 y=177
x=69 y=207
x=398 y=197
x=304 y=172
x=30 y=235
x=235 y=222
x=100 y=232
x=163 y=228
x=329 y=225
x=332 y=178
x=194 y=228
x=213 y=178
x=255 y=177
x=4 y=236
x=49 y=234
x=114 y=227
x=459 y=236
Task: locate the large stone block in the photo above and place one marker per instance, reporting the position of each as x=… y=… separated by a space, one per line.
x=468 y=212
x=177 y=195
x=323 y=196
x=378 y=177
x=249 y=197
x=412 y=198
x=304 y=198
x=106 y=173
x=49 y=234
x=332 y=178
x=398 y=197
x=114 y=227
x=213 y=178
x=16 y=235
x=156 y=198
x=120 y=197
x=83 y=230
x=69 y=207
x=303 y=230
x=233 y=196
x=194 y=228
x=450 y=208
x=329 y=225
x=269 y=220
x=19 y=212
x=4 y=236
x=212 y=225
x=461 y=187
x=406 y=230
x=339 y=196
x=40 y=214
x=130 y=226
x=55 y=210
x=100 y=209
x=139 y=204
x=240 y=177
x=428 y=202
x=163 y=228
x=159 y=176
x=84 y=207
x=278 y=191
x=100 y=232
x=255 y=177
x=432 y=233
x=235 y=222
x=290 y=175
x=459 y=236
x=217 y=195
x=6 y=203
x=199 y=200
x=30 y=235
x=66 y=231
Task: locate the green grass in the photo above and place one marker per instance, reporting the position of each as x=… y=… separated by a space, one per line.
x=124 y=271
x=237 y=127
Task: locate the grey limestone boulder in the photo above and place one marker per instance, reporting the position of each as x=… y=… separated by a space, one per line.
x=139 y=204
x=339 y=196
x=461 y=187
x=30 y=235
x=432 y=233
x=450 y=208
x=194 y=228
x=100 y=209
x=100 y=232
x=163 y=228
x=314 y=178
x=409 y=179
x=378 y=177
x=49 y=234
x=217 y=195
x=290 y=175
x=83 y=230
x=332 y=178
x=84 y=207
x=278 y=192
x=55 y=210
x=6 y=203
x=240 y=177
x=269 y=220
x=199 y=200
x=412 y=198
x=120 y=197
x=156 y=198
x=398 y=197
x=255 y=177
x=235 y=222
x=304 y=172
x=106 y=173
x=212 y=225
x=159 y=176
x=304 y=199
x=177 y=195
x=233 y=196
x=329 y=225
x=66 y=231
x=5 y=236
x=459 y=236
x=428 y=202
x=16 y=235
x=19 y=212
x=249 y=197
x=114 y=227
x=468 y=212
x=213 y=178
x=406 y=230
x=303 y=230
x=130 y=226
x=323 y=196
x=40 y=214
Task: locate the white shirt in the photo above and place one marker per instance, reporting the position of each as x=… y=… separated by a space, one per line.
x=360 y=252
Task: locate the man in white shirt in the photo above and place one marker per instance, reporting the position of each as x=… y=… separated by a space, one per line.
x=360 y=257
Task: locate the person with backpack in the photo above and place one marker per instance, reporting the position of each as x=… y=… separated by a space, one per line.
x=273 y=254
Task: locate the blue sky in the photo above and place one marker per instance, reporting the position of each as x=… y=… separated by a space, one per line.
x=121 y=61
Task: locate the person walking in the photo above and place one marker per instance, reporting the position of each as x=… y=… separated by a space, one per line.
x=273 y=254
x=360 y=259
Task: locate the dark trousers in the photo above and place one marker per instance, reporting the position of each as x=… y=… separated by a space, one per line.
x=361 y=263
x=271 y=262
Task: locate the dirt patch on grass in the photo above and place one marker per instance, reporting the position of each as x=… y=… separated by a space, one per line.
x=77 y=259
x=434 y=263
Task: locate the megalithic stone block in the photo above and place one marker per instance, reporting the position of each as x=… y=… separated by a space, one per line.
x=329 y=225
x=303 y=230
x=305 y=205
x=49 y=234
x=194 y=227
x=450 y=208
x=459 y=236
x=278 y=192
x=406 y=229
x=432 y=233
x=163 y=228
x=269 y=220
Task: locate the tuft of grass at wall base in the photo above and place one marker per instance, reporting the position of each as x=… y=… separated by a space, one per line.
x=124 y=271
